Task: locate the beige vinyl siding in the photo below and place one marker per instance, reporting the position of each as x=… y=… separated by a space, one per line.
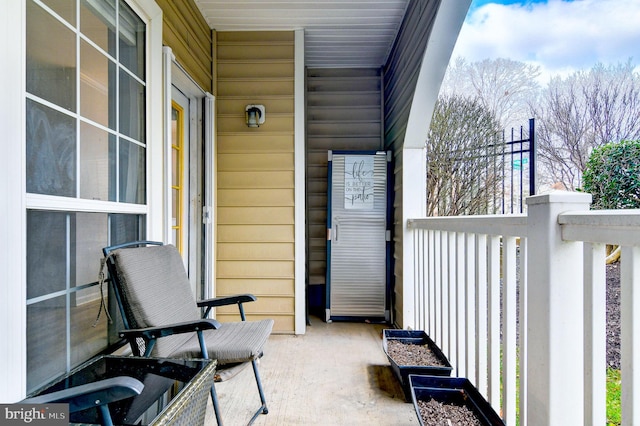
x=255 y=175
x=185 y=30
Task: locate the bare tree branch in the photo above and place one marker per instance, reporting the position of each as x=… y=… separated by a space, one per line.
x=583 y=111
x=461 y=169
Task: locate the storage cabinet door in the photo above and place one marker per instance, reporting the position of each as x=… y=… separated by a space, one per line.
x=358 y=237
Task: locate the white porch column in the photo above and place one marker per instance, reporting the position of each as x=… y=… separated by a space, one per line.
x=443 y=37
x=414 y=178
x=555 y=339
x=300 y=170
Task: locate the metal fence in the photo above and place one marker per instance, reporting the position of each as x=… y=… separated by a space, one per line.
x=491 y=177
x=519 y=169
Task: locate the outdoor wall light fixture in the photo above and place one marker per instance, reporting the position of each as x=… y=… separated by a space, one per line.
x=254 y=115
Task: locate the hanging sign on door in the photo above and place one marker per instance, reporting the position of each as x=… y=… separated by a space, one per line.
x=358 y=182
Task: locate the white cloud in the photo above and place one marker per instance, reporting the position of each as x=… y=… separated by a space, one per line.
x=560 y=36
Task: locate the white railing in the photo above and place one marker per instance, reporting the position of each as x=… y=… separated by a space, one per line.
x=480 y=281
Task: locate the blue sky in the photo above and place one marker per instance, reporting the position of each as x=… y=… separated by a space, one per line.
x=560 y=36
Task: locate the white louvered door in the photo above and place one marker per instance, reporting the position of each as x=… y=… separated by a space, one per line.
x=358 y=237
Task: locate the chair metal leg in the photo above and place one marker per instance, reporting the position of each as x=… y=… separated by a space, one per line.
x=106 y=415
x=263 y=408
x=216 y=406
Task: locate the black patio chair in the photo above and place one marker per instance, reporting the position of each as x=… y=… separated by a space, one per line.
x=162 y=319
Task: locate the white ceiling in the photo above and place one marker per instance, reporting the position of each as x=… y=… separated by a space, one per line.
x=338 y=33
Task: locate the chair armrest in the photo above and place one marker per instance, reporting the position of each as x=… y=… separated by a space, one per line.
x=227 y=300
x=152 y=333
x=92 y=394
x=236 y=299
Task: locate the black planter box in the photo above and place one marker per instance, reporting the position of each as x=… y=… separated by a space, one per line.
x=452 y=390
x=402 y=372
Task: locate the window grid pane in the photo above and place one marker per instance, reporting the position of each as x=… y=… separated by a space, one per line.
x=62 y=282
x=46 y=341
x=97 y=99
x=51 y=58
x=132 y=36
x=98 y=23
x=51 y=151
x=86 y=139
x=111 y=95
x=97 y=163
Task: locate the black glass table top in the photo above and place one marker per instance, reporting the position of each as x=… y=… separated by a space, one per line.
x=162 y=379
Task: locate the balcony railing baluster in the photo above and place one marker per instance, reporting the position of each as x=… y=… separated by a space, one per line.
x=502 y=294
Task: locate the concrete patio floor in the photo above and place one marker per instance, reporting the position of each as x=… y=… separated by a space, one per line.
x=335 y=374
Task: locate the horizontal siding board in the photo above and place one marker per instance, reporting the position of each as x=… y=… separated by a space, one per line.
x=317 y=207
x=263 y=87
x=317 y=186
x=236 y=51
x=254 y=269
x=361 y=113
x=259 y=287
x=342 y=99
x=253 y=180
x=315 y=171
x=255 y=197
x=234 y=143
x=335 y=84
x=254 y=68
x=318 y=273
x=342 y=128
x=319 y=216
x=316 y=243
x=256 y=215
x=256 y=251
x=255 y=162
x=318 y=230
x=255 y=233
x=263 y=304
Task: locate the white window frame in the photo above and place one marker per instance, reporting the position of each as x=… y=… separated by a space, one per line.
x=15 y=201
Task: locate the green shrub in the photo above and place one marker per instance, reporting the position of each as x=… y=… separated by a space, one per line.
x=612 y=176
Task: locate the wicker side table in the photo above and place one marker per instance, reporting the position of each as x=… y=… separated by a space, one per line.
x=175 y=390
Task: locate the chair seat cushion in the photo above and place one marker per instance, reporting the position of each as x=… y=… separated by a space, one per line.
x=233 y=342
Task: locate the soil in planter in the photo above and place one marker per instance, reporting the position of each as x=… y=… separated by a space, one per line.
x=437 y=413
x=410 y=354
